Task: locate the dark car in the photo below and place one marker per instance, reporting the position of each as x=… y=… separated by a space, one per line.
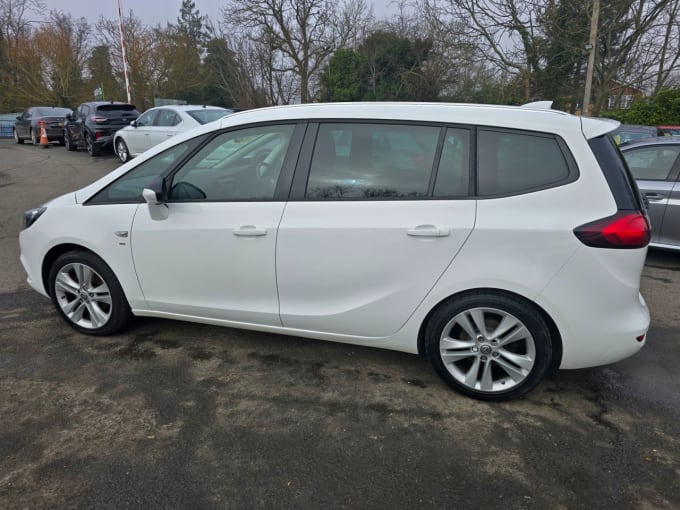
x=628 y=133
x=655 y=165
x=27 y=125
x=93 y=124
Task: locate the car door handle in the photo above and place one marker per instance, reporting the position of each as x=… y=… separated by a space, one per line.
x=654 y=196
x=428 y=231
x=249 y=231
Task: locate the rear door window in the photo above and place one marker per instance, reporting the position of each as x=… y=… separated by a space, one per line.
x=510 y=162
x=369 y=161
x=652 y=163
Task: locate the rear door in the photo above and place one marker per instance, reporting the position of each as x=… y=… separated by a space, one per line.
x=371 y=226
x=656 y=168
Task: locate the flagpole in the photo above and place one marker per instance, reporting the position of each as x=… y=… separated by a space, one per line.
x=125 y=60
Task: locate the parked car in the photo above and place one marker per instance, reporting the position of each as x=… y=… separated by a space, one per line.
x=27 y=125
x=654 y=164
x=93 y=125
x=627 y=133
x=158 y=124
x=668 y=130
x=498 y=241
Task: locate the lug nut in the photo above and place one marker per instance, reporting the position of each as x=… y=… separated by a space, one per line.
x=484 y=358
x=495 y=354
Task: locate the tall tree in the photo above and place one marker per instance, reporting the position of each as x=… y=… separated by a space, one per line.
x=299 y=34
x=100 y=71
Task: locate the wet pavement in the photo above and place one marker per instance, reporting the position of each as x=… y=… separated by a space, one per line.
x=178 y=415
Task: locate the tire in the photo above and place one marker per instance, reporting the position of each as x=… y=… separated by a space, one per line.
x=122 y=150
x=70 y=146
x=34 y=140
x=61 y=142
x=489 y=345
x=87 y=294
x=17 y=139
x=92 y=149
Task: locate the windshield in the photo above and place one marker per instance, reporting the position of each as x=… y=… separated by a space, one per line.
x=204 y=116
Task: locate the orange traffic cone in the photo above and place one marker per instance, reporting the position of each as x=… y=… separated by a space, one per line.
x=44 y=142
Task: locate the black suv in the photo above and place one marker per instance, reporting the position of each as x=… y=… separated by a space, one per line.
x=93 y=124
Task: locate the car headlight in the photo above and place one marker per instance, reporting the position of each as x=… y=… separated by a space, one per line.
x=32 y=215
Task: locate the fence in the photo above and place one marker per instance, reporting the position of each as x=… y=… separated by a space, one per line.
x=7 y=124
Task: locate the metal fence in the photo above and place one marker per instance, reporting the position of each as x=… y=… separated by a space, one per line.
x=7 y=123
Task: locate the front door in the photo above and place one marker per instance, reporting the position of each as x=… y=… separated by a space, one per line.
x=210 y=251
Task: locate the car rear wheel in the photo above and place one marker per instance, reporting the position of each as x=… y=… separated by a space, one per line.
x=122 y=150
x=17 y=139
x=92 y=149
x=34 y=139
x=87 y=294
x=490 y=346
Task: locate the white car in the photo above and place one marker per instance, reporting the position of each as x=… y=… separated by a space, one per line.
x=499 y=241
x=158 y=124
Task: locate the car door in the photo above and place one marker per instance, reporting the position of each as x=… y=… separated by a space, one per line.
x=138 y=136
x=166 y=126
x=77 y=123
x=209 y=250
x=655 y=168
x=372 y=226
x=23 y=124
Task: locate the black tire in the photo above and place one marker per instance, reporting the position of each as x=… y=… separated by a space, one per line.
x=70 y=146
x=17 y=138
x=87 y=294
x=61 y=142
x=122 y=150
x=509 y=363
x=34 y=140
x=92 y=149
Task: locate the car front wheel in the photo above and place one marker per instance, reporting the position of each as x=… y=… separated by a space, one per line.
x=87 y=294
x=17 y=138
x=490 y=346
x=70 y=146
x=122 y=151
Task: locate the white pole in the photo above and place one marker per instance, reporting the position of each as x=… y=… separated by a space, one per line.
x=125 y=60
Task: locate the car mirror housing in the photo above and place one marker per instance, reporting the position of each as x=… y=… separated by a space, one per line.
x=151 y=197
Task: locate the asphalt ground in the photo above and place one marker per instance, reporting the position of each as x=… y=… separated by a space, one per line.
x=177 y=415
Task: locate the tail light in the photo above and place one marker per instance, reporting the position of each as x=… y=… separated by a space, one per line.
x=97 y=135
x=96 y=119
x=625 y=229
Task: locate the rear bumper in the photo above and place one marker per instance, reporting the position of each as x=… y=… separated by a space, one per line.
x=600 y=314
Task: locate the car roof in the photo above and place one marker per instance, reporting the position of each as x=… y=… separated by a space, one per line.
x=653 y=140
x=528 y=117
x=191 y=107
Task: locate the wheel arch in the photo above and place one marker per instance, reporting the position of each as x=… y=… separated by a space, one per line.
x=555 y=336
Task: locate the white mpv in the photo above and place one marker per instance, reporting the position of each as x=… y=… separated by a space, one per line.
x=501 y=242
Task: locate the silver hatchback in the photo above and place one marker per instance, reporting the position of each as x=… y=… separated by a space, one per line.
x=655 y=165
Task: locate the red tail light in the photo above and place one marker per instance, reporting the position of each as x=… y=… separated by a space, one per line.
x=94 y=118
x=624 y=229
x=97 y=135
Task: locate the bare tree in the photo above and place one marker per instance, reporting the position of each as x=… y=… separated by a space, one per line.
x=295 y=38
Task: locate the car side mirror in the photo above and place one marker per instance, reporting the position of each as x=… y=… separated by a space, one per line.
x=133 y=123
x=151 y=197
x=156 y=192
x=68 y=116
x=19 y=117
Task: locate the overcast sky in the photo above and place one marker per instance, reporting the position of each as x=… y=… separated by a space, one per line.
x=152 y=12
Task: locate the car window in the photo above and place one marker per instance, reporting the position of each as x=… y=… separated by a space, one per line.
x=147 y=118
x=653 y=163
x=238 y=165
x=204 y=116
x=372 y=161
x=167 y=118
x=453 y=175
x=514 y=162
x=128 y=188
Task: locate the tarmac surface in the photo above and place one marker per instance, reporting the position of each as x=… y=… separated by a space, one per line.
x=177 y=415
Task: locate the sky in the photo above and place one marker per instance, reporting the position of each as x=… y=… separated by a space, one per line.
x=152 y=12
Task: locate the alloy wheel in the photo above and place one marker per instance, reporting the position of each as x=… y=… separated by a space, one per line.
x=83 y=296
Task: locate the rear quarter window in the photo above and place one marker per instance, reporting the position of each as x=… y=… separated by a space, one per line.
x=512 y=162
